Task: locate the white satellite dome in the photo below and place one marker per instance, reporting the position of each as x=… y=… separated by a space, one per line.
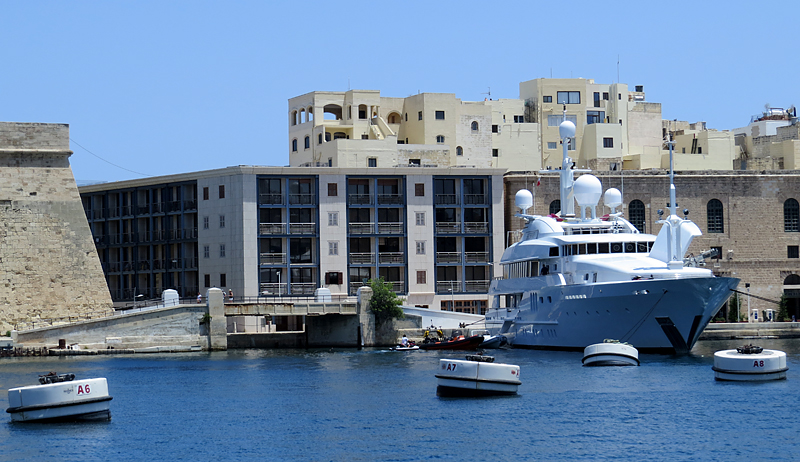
x=587 y=190
x=612 y=198
x=523 y=200
x=566 y=129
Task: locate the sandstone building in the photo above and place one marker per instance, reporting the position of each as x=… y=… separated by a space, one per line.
x=48 y=262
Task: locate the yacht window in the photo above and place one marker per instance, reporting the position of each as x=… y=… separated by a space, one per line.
x=602 y=247
x=641 y=247
x=594 y=278
x=582 y=249
x=616 y=247
x=630 y=247
x=586 y=277
x=553 y=251
x=549 y=299
x=591 y=248
x=541 y=299
x=574 y=249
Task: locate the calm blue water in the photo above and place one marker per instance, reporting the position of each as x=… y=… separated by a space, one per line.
x=369 y=405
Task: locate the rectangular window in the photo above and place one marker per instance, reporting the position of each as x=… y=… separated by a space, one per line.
x=222 y=221
x=422 y=277
x=568 y=97
x=495 y=152
x=420 y=247
x=206 y=280
x=414 y=162
x=439 y=115
x=555 y=120
x=205 y=193
x=222 y=191
x=608 y=142
x=547 y=99
x=605 y=96
x=518 y=119
x=595 y=117
x=364 y=136
x=793 y=251
x=597 y=99
x=319 y=138
x=494 y=129
x=333 y=247
x=206 y=251
x=552 y=145
x=420 y=218
x=419 y=115
x=222 y=251
x=333 y=189
x=372 y=162
x=333 y=218
x=419 y=189
x=205 y=222
x=223 y=280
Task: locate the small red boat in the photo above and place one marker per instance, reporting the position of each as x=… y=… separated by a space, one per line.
x=457 y=343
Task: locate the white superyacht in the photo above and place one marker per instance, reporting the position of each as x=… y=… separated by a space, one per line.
x=572 y=281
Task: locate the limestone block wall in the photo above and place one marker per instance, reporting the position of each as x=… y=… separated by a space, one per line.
x=49 y=266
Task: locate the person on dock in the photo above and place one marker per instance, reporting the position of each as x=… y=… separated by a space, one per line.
x=199 y=298
x=230 y=295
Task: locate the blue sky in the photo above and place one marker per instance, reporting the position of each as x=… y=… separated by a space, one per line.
x=164 y=87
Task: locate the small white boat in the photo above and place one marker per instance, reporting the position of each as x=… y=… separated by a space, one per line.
x=405 y=348
x=493 y=341
x=477 y=376
x=610 y=353
x=60 y=398
x=750 y=364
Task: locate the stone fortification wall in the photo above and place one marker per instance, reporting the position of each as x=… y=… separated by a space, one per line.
x=49 y=266
x=754 y=243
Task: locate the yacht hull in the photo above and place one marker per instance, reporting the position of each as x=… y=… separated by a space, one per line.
x=659 y=315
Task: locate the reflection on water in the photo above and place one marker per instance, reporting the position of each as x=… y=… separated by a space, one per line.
x=380 y=405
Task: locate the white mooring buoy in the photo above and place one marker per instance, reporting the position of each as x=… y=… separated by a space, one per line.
x=750 y=364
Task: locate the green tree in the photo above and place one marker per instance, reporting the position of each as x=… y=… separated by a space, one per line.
x=734 y=303
x=384 y=302
x=783 y=311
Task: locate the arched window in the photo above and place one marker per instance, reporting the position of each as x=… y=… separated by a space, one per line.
x=327 y=136
x=294 y=145
x=792 y=280
x=307 y=142
x=339 y=135
x=555 y=206
x=294 y=117
x=636 y=214
x=474 y=126
x=440 y=139
x=791 y=214
x=459 y=151
x=310 y=112
x=715 y=218
x=319 y=138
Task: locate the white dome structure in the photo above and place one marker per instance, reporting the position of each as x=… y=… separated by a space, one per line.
x=523 y=200
x=612 y=199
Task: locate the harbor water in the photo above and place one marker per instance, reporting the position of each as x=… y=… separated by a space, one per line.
x=373 y=404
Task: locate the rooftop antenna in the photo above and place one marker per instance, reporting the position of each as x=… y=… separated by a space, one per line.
x=566 y=130
x=617 y=68
x=488 y=93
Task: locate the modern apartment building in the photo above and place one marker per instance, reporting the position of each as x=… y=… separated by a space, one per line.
x=433 y=232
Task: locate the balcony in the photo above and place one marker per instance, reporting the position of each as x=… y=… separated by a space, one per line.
x=390 y=228
x=476 y=227
x=272 y=288
x=302 y=228
x=448 y=257
x=448 y=286
x=112 y=212
x=362 y=258
x=398 y=287
x=391 y=257
x=190 y=205
x=446 y=199
x=299 y=288
x=159 y=207
x=128 y=238
x=476 y=257
x=362 y=228
x=477 y=286
x=301 y=199
x=390 y=199
x=476 y=199
x=272 y=228
x=359 y=199
x=354 y=286
x=448 y=227
x=174 y=206
x=272 y=258
x=127 y=210
x=270 y=199
x=142 y=209
x=190 y=263
x=114 y=267
x=97 y=214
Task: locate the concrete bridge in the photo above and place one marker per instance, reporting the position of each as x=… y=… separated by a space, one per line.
x=329 y=324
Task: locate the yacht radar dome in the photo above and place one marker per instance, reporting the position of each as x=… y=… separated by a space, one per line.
x=523 y=200
x=612 y=199
x=566 y=129
x=587 y=191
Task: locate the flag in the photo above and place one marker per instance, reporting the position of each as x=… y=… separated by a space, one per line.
x=538 y=182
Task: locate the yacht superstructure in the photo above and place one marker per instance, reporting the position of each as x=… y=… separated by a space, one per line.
x=577 y=279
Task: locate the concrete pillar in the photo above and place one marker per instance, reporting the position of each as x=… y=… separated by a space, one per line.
x=365 y=317
x=218 y=327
